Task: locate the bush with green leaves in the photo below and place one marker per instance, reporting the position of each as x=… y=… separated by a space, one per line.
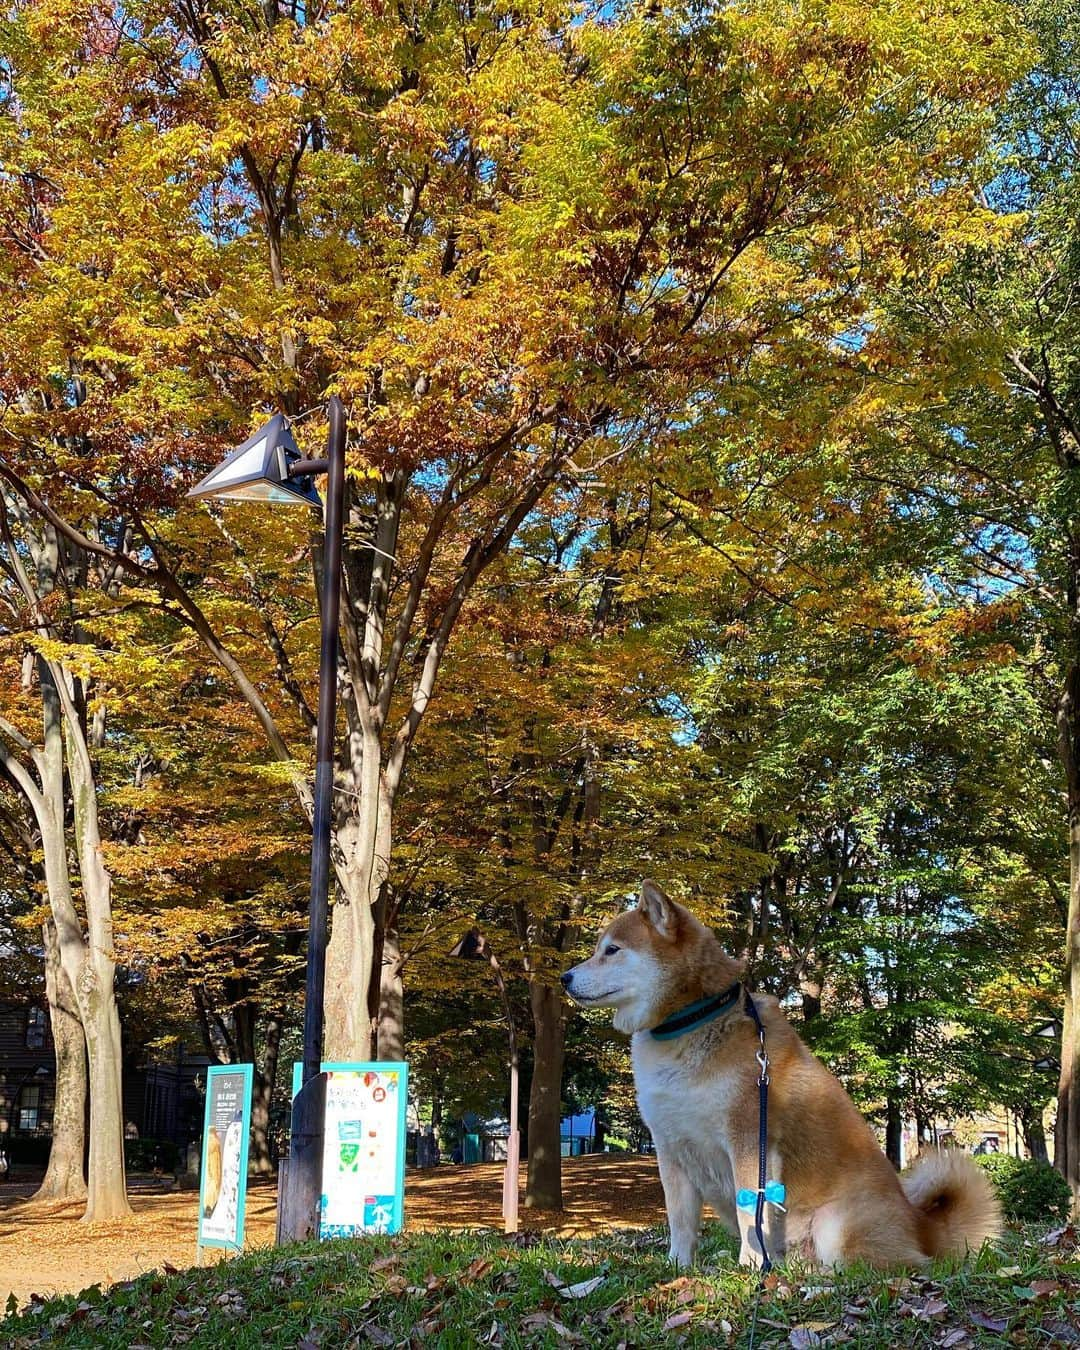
x=1030 y=1191
x=144 y=1155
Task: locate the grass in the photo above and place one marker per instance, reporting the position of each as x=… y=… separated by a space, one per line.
x=463 y=1290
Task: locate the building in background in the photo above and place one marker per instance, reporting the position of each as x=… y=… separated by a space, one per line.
x=162 y=1099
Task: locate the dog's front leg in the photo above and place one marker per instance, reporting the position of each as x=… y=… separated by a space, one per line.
x=772 y=1219
x=683 y=1201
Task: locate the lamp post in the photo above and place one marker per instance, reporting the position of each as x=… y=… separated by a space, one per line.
x=269 y=467
x=474 y=947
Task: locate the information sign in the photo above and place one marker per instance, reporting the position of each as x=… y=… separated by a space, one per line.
x=223 y=1183
x=363 y=1188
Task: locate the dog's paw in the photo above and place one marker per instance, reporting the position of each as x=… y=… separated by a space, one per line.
x=681 y=1254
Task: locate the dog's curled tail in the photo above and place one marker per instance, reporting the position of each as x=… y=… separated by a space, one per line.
x=955 y=1201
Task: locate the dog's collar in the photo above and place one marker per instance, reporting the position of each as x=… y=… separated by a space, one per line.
x=697 y=1014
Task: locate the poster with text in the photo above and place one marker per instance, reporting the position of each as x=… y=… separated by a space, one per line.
x=223 y=1183
x=363 y=1188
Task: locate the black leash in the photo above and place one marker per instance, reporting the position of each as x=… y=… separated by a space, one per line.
x=763 y=1186
x=771 y=1192
x=763 y=1134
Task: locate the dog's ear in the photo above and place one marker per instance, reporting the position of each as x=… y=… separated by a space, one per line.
x=657 y=908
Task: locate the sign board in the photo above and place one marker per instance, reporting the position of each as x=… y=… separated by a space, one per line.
x=363 y=1188
x=226 y=1132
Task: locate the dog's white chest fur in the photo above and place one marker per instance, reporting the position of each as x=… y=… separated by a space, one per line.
x=687 y=1111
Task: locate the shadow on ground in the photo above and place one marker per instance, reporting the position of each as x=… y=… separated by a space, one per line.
x=45 y=1249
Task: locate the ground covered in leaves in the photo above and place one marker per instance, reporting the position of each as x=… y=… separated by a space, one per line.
x=45 y=1250
x=458 y=1290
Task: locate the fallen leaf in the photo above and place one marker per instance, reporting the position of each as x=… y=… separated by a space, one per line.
x=476 y=1269
x=536 y=1321
x=583 y=1289
x=802 y=1338
x=988 y=1323
x=1044 y=1288
x=955 y=1338
x=1062 y=1332
x=858 y=1309
x=678 y=1320
x=540 y=1321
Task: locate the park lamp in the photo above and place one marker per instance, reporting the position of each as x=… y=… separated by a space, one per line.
x=474 y=947
x=269 y=467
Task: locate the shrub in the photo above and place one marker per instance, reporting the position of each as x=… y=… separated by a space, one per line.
x=1030 y=1191
x=139 y=1154
x=28 y=1150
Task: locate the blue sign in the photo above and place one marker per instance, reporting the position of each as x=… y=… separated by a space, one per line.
x=226 y=1134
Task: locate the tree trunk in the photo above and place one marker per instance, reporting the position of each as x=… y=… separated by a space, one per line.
x=923 y=1128
x=893 y=1129
x=391 y=1043
x=107 y=1191
x=1067 y=1129
x=92 y=972
x=65 y=1177
x=350 y=955
x=85 y=959
x=810 y=991
x=1031 y=1123
x=262 y=1164
x=544 y=1185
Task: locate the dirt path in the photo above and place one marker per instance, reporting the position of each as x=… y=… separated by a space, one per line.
x=45 y=1250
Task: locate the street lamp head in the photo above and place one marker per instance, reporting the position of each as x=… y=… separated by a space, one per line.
x=258 y=470
x=472 y=947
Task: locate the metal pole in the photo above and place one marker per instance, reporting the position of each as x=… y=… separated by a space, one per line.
x=513 y=1143
x=299 y=1203
x=513 y=1152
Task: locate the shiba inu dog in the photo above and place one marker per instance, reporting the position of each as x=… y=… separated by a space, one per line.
x=695 y=1045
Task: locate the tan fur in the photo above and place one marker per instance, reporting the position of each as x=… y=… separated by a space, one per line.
x=956 y=1200
x=698 y=1094
x=213 y=1172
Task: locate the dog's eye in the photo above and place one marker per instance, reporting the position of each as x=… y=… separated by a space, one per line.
x=610 y=949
